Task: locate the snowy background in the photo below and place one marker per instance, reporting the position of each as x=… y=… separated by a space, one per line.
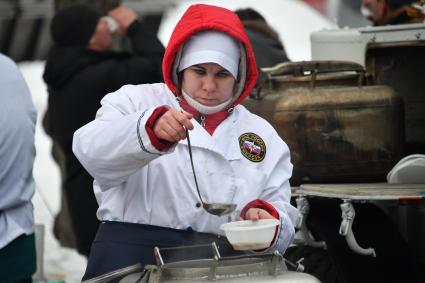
x=293 y=20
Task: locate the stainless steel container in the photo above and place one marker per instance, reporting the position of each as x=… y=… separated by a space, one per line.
x=260 y=268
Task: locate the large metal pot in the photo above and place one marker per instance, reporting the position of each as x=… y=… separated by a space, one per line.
x=260 y=268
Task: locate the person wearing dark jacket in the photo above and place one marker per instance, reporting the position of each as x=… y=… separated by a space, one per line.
x=268 y=48
x=79 y=71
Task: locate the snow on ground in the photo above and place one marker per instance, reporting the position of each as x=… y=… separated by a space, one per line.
x=60 y=263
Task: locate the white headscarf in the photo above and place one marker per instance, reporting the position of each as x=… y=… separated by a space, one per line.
x=211 y=47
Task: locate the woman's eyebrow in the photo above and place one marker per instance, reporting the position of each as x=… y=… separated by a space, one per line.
x=223 y=70
x=198 y=66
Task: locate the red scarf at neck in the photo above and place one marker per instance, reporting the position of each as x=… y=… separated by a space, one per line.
x=211 y=121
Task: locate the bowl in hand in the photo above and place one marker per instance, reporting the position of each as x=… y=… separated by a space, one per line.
x=250 y=235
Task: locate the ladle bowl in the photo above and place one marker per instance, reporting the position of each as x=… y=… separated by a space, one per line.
x=215 y=208
x=219 y=209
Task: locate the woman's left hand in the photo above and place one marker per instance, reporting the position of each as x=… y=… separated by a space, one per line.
x=255 y=214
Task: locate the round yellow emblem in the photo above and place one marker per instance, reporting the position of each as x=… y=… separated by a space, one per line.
x=252 y=147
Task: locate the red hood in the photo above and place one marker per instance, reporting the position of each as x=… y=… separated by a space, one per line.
x=205 y=17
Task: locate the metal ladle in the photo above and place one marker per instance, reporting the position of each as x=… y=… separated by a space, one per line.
x=214 y=208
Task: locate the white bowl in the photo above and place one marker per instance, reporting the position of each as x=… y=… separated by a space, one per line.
x=250 y=235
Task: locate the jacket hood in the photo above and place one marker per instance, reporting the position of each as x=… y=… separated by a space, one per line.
x=203 y=17
x=64 y=62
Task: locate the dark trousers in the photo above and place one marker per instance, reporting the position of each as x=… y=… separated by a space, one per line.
x=82 y=205
x=119 y=245
x=18 y=260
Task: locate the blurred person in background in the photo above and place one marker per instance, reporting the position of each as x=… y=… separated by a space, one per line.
x=79 y=71
x=17 y=152
x=392 y=12
x=268 y=48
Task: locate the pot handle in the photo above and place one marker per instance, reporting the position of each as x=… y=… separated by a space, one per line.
x=312 y=68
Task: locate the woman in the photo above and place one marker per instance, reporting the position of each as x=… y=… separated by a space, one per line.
x=136 y=149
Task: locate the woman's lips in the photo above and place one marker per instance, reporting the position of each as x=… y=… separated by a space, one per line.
x=206 y=101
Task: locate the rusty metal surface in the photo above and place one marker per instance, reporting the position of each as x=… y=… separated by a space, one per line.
x=372 y=191
x=312 y=74
x=401 y=67
x=336 y=133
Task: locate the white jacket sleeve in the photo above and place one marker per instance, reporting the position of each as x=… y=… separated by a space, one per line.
x=278 y=194
x=116 y=144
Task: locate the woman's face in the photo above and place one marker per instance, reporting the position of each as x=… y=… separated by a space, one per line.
x=208 y=83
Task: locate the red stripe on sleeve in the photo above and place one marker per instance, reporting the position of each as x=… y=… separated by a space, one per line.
x=159 y=144
x=259 y=203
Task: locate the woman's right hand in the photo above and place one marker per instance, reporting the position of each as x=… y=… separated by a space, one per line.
x=171 y=126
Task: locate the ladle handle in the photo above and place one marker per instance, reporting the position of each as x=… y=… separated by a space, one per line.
x=191 y=163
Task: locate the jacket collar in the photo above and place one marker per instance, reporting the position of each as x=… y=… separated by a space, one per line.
x=209 y=122
x=229 y=149
x=199 y=137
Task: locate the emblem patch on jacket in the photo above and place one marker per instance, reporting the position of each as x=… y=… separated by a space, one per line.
x=252 y=147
